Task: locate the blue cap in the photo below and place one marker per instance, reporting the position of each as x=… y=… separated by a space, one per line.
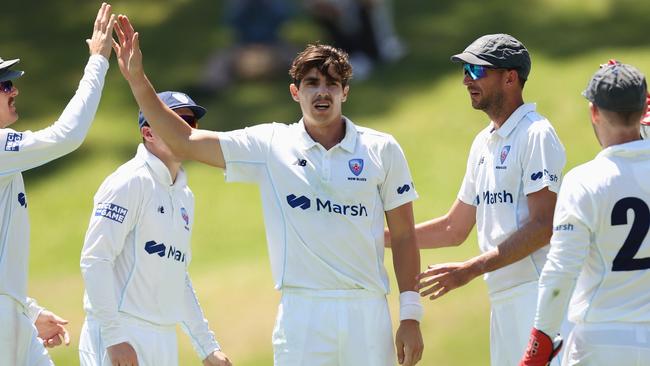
x=176 y=100
x=6 y=73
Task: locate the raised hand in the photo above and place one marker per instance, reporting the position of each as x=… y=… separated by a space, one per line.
x=100 y=42
x=127 y=49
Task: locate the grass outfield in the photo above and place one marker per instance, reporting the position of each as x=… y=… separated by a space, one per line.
x=421 y=101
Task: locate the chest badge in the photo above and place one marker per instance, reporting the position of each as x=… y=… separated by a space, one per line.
x=504 y=153
x=356 y=166
x=186 y=218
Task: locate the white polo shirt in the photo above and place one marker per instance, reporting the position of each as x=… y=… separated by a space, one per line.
x=645 y=130
x=323 y=209
x=601 y=238
x=137 y=251
x=20 y=151
x=504 y=166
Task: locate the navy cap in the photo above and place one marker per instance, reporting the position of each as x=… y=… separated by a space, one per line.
x=176 y=100
x=5 y=73
x=617 y=87
x=502 y=51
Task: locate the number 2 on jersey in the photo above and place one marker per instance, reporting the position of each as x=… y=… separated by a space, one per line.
x=624 y=260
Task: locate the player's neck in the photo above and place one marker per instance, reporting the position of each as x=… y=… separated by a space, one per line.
x=326 y=134
x=500 y=113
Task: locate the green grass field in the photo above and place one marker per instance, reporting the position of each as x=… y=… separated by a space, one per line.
x=420 y=100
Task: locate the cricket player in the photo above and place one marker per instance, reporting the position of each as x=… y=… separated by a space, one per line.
x=135 y=259
x=21 y=319
x=326 y=185
x=509 y=190
x=599 y=262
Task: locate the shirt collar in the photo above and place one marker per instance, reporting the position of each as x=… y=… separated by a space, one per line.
x=514 y=119
x=348 y=143
x=628 y=149
x=159 y=169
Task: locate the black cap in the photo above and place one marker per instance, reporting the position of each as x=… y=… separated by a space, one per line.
x=175 y=100
x=617 y=87
x=6 y=73
x=502 y=51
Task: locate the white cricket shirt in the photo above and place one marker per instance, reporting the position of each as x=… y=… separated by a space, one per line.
x=323 y=209
x=600 y=237
x=504 y=166
x=20 y=151
x=137 y=250
x=645 y=131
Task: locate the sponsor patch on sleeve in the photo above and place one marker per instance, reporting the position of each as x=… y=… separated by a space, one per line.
x=13 y=141
x=111 y=211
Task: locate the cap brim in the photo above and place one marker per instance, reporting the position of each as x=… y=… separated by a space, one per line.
x=199 y=111
x=469 y=58
x=8 y=63
x=10 y=74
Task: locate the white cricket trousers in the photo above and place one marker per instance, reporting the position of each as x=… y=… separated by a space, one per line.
x=511 y=320
x=19 y=342
x=155 y=345
x=616 y=344
x=333 y=328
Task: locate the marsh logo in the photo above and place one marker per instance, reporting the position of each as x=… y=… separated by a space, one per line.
x=302 y=201
x=327 y=206
x=403 y=189
x=163 y=251
x=22 y=199
x=491 y=198
x=551 y=177
x=111 y=211
x=13 y=141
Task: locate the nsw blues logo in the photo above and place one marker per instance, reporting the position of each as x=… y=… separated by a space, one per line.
x=356 y=166
x=504 y=153
x=13 y=141
x=185 y=217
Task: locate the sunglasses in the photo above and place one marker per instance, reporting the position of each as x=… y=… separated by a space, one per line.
x=475 y=71
x=190 y=120
x=6 y=86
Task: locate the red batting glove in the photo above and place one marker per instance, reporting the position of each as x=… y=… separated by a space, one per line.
x=541 y=349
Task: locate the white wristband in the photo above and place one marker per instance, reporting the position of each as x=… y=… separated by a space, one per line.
x=409 y=306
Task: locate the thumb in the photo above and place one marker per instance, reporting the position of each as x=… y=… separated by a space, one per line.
x=400 y=351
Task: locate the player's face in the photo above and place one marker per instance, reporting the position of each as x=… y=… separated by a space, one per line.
x=485 y=92
x=320 y=96
x=8 y=114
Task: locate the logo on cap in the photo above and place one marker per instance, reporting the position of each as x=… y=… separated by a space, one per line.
x=181 y=97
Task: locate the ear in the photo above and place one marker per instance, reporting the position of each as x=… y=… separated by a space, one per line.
x=293 y=89
x=595 y=113
x=512 y=77
x=346 y=90
x=146 y=133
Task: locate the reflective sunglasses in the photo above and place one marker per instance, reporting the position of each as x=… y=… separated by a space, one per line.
x=190 y=120
x=475 y=71
x=6 y=86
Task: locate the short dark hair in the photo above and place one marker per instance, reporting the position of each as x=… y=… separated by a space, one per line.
x=622 y=118
x=321 y=57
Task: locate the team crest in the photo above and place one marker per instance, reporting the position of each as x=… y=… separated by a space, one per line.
x=186 y=217
x=504 y=153
x=356 y=166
